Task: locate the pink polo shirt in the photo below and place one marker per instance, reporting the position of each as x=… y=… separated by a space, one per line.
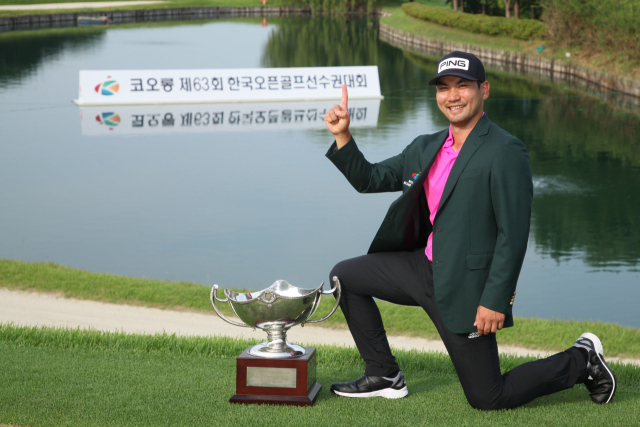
x=436 y=180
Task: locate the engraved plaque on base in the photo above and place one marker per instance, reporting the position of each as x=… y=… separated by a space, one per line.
x=283 y=381
x=271 y=377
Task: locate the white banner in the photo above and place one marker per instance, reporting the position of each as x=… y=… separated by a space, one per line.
x=233 y=85
x=199 y=118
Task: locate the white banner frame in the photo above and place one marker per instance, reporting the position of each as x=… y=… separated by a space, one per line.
x=148 y=87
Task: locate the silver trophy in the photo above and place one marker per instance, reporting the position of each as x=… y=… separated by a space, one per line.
x=275 y=310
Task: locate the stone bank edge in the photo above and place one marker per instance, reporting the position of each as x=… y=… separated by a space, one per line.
x=616 y=83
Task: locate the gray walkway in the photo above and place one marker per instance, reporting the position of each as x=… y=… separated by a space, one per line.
x=27 y=308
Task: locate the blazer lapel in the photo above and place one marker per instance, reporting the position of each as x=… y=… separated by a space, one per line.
x=473 y=142
x=429 y=156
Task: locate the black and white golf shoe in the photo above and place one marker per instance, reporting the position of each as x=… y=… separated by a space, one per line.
x=369 y=386
x=601 y=382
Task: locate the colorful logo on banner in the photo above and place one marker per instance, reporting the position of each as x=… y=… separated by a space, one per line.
x=110 y=120
x=108 y=88
x=415 y=175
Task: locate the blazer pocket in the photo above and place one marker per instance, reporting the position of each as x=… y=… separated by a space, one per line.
x=479 y=261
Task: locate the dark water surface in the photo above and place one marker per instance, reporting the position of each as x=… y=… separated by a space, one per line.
x=245 y=208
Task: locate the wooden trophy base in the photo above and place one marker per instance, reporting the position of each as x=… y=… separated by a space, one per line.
x=282 y=381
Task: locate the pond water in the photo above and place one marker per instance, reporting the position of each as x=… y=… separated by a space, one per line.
x=246 y=207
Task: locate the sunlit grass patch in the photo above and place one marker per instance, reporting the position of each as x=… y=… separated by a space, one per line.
x=62 y=377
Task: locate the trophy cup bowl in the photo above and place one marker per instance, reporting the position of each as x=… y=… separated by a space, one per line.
x=275 y=310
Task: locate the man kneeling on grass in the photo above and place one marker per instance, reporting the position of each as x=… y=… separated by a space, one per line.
x=453 y=243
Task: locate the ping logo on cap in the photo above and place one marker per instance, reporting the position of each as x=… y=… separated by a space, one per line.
x=459 y=63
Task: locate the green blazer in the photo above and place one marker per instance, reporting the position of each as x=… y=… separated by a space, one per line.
x=481 y=228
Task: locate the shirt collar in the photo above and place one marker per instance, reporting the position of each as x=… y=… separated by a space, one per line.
x=449 y=141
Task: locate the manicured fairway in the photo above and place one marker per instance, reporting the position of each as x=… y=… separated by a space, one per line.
x=52 y=377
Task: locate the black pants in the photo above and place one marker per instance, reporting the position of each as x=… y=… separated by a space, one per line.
x=406 y=278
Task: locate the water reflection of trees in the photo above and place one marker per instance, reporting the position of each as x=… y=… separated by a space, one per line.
x=602 y=221
x=22 y=53
x=576 y=127
x=587 y=157
x=323 y=42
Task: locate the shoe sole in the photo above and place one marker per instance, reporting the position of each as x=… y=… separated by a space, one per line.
x=388 y=393
x=600 y=352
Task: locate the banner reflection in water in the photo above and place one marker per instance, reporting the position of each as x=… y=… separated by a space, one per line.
x=187 y=118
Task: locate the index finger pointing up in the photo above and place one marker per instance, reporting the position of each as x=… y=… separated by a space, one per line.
x=345 y=97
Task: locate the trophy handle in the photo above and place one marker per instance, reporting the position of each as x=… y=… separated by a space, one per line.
x=335 y=288
x=214 y=297
x=316 y=303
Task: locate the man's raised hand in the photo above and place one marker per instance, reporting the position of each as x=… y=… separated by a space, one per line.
x=337 y=120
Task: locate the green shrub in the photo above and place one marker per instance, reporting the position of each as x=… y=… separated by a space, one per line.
x=524 y=29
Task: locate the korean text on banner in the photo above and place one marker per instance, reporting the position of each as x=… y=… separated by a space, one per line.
x=233 y=85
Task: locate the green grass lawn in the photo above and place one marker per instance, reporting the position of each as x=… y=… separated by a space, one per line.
x=402 y=21
x=57 y=377
x=399 y=320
